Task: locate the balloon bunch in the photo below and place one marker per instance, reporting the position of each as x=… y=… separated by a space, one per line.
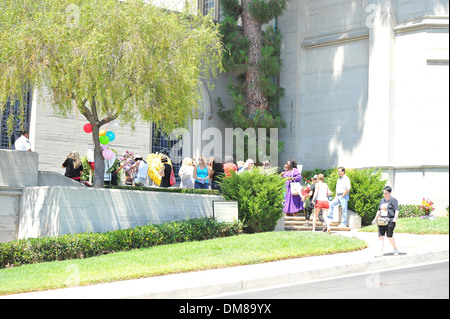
x=105 y=138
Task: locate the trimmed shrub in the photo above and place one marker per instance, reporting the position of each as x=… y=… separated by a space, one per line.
x=166 y=190
x=260 y=196
x=365 y=193
x=408 y=211
x=308 y=175
x=85 y=245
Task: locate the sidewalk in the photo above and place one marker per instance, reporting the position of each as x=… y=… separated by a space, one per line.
x=414 y=249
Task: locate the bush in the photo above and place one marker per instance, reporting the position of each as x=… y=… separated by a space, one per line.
x=308 y=175
x=76 y=246
x=365 y=193
x=408 y=211
x=260 y=196
x=166 y=190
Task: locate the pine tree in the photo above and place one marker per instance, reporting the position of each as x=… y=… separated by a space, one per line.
x=254 y=55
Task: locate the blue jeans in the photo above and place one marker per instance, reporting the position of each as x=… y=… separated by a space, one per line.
x=343 y=200
x=199 y=185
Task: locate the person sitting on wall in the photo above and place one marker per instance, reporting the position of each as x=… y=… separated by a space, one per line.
x=23 y=142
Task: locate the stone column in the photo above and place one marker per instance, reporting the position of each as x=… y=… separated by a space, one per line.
x=378 y=130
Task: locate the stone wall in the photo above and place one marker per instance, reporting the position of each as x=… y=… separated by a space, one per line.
x=34 y=204
x=61 y=210
x=18 y=169
x=9 y=212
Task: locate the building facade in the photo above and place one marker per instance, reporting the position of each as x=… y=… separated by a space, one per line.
x=366 y=85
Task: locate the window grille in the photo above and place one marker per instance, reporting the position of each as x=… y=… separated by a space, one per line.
x=16 y=115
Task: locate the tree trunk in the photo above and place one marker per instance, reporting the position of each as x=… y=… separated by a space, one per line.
x=255 y=99
x=99 y=172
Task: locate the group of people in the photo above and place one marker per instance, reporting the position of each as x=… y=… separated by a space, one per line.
x=318 y=194
x=323 y=208
x=202 y=173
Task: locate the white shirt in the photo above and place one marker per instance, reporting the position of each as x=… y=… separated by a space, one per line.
x=22 y=144
x=322 y=191
x=142 y=169
x=342 y=184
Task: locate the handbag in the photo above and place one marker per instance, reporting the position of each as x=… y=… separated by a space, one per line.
x=296 y=188
x=383 y=221
x=173 y=181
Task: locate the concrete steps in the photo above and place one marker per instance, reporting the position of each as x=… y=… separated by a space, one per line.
x=299 y=223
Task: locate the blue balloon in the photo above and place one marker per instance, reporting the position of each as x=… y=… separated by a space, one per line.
x=111 y=136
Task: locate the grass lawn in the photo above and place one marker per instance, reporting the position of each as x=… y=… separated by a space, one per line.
x=417 y=226
x=175 y=258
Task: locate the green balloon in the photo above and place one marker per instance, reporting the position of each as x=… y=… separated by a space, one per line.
x=104 y=139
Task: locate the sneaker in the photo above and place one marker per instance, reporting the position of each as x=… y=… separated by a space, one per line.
x=395 y=252
x=342 y=225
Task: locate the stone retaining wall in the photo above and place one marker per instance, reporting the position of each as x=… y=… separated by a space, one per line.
x=60 y=210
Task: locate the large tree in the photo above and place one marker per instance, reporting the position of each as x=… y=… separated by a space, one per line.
x=109 y=59
x=254 y=54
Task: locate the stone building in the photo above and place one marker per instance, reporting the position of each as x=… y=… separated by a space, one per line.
x=366 y=86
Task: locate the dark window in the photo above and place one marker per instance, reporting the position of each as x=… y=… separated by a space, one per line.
x=17 y=117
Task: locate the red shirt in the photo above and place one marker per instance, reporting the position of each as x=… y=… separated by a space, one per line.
x=227 y=167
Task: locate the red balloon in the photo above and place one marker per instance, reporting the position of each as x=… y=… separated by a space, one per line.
x=87 y=128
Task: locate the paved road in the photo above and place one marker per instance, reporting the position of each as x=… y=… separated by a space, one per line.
x=429 y=281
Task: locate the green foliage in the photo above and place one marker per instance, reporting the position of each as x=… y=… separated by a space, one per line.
x=166 y=190
x=265 y=10
x=259 y=195
x=76 y=246
x=308 y=175
x=366 y=191
x=231 y=8
x=409 y=211
x=235 y=55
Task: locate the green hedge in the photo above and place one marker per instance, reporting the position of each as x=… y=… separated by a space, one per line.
x=365 y=193
x=260 y=196
x=76 y=246
x=308 y=175
x=167 y=190
x=409 y=211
